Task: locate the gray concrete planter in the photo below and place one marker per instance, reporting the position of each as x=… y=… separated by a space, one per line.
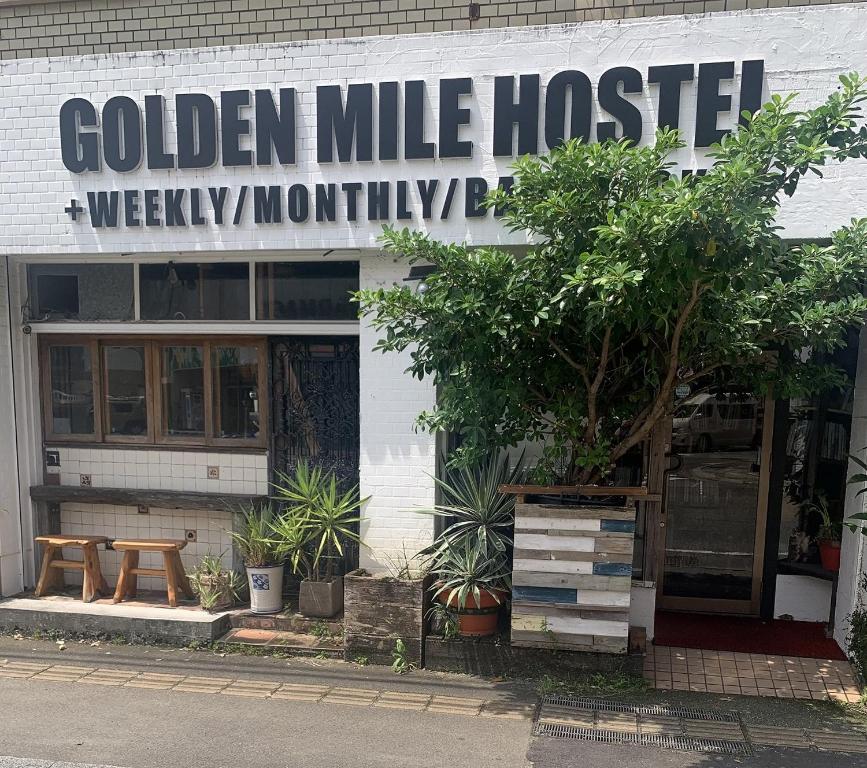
x=380 y=609
x=321 y=599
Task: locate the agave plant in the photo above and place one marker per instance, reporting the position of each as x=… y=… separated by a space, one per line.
x=478 y=513
x=468 y=568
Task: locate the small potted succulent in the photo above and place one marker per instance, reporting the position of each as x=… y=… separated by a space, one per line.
x=217 y=587
x=254 y=539
x=315 y=525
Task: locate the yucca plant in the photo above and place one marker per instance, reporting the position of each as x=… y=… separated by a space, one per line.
x=317 y=521
x=477 y=512
x=254 y=538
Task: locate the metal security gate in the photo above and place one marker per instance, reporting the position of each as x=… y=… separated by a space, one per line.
x=314 y=404
x=314 y=407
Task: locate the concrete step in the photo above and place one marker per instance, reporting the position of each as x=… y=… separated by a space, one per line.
x=299 y=643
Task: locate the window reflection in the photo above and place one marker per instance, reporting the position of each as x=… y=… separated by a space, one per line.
x=125 y=390
x=183 y=391
x=71 y=384
x=235 y=372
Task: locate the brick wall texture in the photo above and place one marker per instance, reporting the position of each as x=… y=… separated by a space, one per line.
x=76 y=27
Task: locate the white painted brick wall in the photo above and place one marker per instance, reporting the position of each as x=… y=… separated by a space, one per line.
x=118 y=522
x=10 y=529
x=397 y=461
x=805 y=49
x=853 y=557
x=165 y=470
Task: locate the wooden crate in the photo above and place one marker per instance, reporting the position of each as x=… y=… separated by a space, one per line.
x=571 y=577
x=378 y=610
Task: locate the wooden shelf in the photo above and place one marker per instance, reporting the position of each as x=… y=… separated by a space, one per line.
x=135 y=497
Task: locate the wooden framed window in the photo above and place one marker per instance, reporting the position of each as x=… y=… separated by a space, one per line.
x=192 y=391
x=70 y=390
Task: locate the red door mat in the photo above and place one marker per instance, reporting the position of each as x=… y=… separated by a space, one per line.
x=745 y=635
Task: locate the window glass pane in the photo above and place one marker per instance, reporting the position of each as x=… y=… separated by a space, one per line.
x=71 y=381
x=235 y=392
x=195 y=291
x=80 y=292
x=125 y=395
x=183 y=391
x=306 y=291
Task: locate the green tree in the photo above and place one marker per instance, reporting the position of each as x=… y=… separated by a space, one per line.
x=636 y=281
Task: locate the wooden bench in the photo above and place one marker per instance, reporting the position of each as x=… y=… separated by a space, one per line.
x=53 y=565
x=173 y=571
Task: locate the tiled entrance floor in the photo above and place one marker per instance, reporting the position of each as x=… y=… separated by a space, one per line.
x=784 y=677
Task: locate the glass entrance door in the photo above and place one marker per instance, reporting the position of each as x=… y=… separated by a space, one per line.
x=715 y=504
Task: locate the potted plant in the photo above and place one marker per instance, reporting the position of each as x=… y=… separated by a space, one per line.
x=829 y=535
x=216 y=586
x=473 y=581
x=472 y=554
x=639 y=289
x=316 y=523
x=254 y=539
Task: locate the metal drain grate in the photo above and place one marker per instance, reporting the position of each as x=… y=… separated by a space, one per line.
x=600 y=705
x=682 y=743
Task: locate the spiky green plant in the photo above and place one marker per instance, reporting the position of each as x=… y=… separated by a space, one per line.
x=254 y=537
x=468 y=569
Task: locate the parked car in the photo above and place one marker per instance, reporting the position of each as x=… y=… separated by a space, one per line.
x=711 y=421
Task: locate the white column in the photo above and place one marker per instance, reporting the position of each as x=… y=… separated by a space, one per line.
x=397 y=460
x=11 y=563
x=852 y=557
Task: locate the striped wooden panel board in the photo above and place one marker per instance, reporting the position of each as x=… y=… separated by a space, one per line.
x=574 y=513
x=581 y=581
x=571 y=576
x=557 y=641
x=570 y=624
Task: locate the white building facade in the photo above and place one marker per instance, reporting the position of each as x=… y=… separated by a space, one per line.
x=204 y=204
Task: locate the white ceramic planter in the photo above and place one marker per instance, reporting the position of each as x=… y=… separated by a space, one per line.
x=266 y=589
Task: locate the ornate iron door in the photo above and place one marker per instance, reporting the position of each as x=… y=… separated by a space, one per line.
x=315 y=402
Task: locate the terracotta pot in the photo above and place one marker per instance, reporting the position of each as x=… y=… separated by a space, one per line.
x=829 y=552
x=476 y=619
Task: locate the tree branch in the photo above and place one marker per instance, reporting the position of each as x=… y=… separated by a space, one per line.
x=593 y=389
x=664 y=395
x=577 y=366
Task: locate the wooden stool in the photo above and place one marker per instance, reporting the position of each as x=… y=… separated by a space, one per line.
x=173 y=572
x=53 y=565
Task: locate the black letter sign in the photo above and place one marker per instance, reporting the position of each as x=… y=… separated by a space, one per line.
x=453 y=116
x=334 y=124
x=197 y=130
x=711 y=102
x=670 y=79
x=80 y=150
x=525 y=113
x=578 y=85
x=615 y=105
x=121 y=134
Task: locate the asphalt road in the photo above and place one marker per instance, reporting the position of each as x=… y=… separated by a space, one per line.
x=63 y=723
x=147 y=729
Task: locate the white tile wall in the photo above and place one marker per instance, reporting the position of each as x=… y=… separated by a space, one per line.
x=163 y=470
x=119 y=522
